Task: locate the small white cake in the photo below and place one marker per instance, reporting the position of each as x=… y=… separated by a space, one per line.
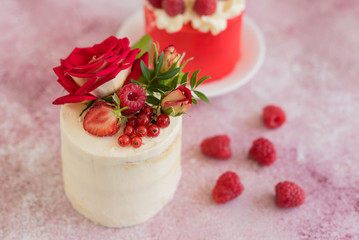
x=118 y=186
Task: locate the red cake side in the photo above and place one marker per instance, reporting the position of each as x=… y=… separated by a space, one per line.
x=215 y=55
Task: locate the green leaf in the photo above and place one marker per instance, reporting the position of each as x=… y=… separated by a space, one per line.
x=169 y=74
x=145 y=71
x=168 y=111
x=116 y=99
x=155 y=54
x=175 y=82
x=149 y=92
x=153 y=100
x=202 y=96
x=159 y=64
x=185 y=62
x=194 y=101
x=134 y=81
x=88 y=106
x=201 y=81
x=194 y=78
x=145 y=44
x=184 y=79
x=161 y=87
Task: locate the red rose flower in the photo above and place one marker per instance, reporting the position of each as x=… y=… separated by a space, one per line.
x=177 y=101
x=98 y=71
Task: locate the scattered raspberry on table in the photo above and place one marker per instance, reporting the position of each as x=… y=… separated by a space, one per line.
x=263 y=151
x=289 y=194
x=273 y=116
x=227 y=188
x=217 y=147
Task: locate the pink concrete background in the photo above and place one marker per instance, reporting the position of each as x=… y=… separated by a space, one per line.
x=310 y=69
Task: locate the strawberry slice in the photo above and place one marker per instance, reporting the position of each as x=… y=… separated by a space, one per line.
x=100 y=120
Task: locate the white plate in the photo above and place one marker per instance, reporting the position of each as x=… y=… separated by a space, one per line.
x=253 y=51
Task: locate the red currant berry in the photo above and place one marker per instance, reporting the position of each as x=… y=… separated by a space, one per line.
x=124 y=140
x=143 y=119
x=141 y=131
x=132 y=122
x=153 y=130
x=163 y=120
x=148 y=110
x=128 y=130
x=136 y=141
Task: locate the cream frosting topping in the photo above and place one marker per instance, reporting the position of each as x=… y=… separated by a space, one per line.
x=214 y=23
x=108 y=146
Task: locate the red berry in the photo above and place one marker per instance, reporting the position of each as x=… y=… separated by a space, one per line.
x=156 y=3
x=100 y=120
x=143 y=119
x=217 y=147
x=129 y=130
x=153 y=130
x=205 y=7
x=136 y=141
x=289 y=194
x=273 y=116
x=132 y=122
x=141 y=131
x=132 y=96
x=228 y=187
x=124 y=140
x=263 y=151
x=173 y=7
x=163 y=120
x=148 y=110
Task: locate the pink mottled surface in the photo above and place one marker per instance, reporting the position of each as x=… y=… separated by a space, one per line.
x=310 y=69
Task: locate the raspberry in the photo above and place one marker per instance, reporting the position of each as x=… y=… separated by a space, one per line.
x=217 y=147
x=205 y=7
x=156 y=3
x=273 y=116
x=263 y=151
x=289 y=194
x=173 y=7
x=228 y=187
x=133 y=97
x=163 y=120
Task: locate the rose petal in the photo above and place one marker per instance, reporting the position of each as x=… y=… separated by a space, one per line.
x=78 y=57
x=107 y=78
x=71 y=87
x=74 y=99
x=85 y=88
x=136 y=71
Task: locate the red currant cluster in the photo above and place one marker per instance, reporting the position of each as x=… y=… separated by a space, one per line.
x=141 y=126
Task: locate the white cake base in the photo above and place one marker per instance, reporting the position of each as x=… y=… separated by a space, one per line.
x=115 y=186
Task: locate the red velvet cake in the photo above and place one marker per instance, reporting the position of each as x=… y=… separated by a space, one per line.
x=207 y=30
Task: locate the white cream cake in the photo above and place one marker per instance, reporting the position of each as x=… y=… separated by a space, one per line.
x=118 y=186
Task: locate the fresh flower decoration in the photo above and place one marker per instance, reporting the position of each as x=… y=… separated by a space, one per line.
x=98 y=71
x=117 y=86
x=177 y=101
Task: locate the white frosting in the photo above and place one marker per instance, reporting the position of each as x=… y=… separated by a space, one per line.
x=118 y=186
x=214 y=23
